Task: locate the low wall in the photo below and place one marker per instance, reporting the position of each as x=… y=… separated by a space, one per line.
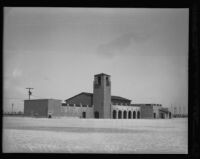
x=77 y=111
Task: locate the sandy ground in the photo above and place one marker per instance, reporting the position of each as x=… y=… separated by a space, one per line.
x=68 y=135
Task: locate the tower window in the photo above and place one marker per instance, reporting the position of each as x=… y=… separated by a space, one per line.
x=107 y=81
x=99 y=80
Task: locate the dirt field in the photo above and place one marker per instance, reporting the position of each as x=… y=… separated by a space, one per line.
x=68 y=135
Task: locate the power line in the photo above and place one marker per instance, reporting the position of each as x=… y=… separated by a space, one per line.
x=12 y=98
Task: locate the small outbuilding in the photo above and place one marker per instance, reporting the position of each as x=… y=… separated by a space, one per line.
x=42 y=108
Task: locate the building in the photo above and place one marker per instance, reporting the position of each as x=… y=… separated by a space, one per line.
x=99 y=104
x=42 y=107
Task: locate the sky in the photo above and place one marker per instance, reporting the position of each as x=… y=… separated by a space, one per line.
x=57 y=51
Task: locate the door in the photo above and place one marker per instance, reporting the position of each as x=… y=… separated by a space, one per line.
x=154 y=115
x=96 y=114
x=84 y=114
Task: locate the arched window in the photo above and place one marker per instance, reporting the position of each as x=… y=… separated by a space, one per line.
x=134 y=115
x=125 y=114
x=119 y=114
x=129 y=114
x=138 y=114
x=114 y=114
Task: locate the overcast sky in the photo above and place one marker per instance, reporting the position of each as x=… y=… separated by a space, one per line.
x=57 y=51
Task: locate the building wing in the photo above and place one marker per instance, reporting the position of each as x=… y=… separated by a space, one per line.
x=86 y=98
x=83 y=98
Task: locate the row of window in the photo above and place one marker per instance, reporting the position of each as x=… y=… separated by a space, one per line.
x=97 y=81
x=126 y=114
x=126 y=104
x=77 y=105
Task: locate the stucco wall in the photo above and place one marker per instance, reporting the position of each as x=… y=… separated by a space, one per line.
x=54 y=107
x=146 y=112
x=73 y=111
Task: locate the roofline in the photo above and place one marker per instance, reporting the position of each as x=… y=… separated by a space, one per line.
x=91 y=94
x=42 y=99
x=101 y=74
x=120 y=97
x=162 y=110
x=145 y=104
x=78 y=95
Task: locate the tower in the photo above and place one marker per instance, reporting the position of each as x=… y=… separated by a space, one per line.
x=102 y=96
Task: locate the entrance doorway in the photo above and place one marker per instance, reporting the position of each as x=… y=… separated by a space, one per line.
x=96 y=114
x=162 y=115
x=154 y=115
x=129 y=114
x=125 y=114
x=138 y=115
x=170 y=115
x=134 y=115
x=84 y=114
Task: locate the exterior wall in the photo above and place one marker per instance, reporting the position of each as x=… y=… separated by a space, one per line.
x=159 y=113
x=102 y=96
x=80 y=99
x=74 y=111
x=37 y=108
x=123 y=108
x=146 y=111
x=163 y=115
x=54 y=107
x=156 y=111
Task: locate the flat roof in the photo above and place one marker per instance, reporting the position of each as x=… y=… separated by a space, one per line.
x=41 y=99
x=91 y=95
x=146 y=104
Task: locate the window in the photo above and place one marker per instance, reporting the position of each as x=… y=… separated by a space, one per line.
x=107 y=81
x=96 y=114
x=99 y=80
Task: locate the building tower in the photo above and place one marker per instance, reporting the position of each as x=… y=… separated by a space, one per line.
x=102 y=96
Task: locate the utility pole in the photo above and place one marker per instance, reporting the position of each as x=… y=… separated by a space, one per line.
x=29 y=92
x=180 y=111
x=12 y=107
x=175 y=111
x=171 y=109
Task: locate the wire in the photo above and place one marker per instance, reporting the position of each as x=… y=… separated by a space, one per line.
x=20 y=99
x=37 y=96
x=12 y=98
